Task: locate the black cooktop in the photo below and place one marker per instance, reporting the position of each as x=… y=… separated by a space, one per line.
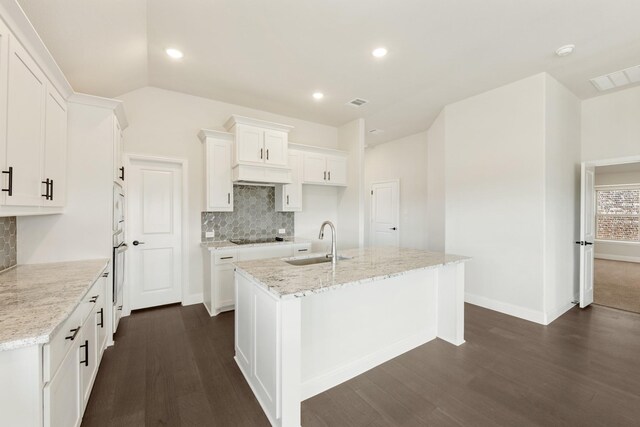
x=257 y=240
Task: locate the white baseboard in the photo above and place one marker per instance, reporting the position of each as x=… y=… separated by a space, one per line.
x=506 y=308
x=618 y=257
x=192 y=299
x=352 y=369
x=554 y=314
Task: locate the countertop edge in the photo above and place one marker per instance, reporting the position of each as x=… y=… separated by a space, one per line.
x=301 y=294
x=44 y=338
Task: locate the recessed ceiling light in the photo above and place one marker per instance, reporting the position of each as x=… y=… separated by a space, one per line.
x=318 y=95
x=565 y=50
x=174 y=53
x=379 y=52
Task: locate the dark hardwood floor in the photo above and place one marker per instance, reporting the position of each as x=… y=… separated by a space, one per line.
x=173 y=366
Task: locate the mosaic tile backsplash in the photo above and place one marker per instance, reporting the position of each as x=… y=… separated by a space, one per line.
x=254 y=216
x=7 y=242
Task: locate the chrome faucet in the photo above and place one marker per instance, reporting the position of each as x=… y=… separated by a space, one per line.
x=334 y=251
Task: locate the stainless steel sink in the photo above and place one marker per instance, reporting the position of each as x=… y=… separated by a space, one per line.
x=312 y=260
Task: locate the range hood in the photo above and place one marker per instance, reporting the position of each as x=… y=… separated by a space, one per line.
x=249 y=174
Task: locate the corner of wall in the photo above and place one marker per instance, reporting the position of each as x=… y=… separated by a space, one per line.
x=351 y=138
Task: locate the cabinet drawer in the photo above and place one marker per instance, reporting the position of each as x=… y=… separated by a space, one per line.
x=61 y=342
x=225 y=257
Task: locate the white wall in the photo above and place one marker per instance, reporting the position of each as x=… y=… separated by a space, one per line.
x=350 y=233
x=617 y=251
x=435 y=214
x=402 y=159
x=494 y=185
x=611 y=125
x=166 y=123
x=562 y=198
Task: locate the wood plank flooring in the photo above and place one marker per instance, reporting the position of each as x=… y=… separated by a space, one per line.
x=173 y=366
x=617 y=284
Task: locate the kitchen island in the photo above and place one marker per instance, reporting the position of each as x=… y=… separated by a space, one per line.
x=302 y=329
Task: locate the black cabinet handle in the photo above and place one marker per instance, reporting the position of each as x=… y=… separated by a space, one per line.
x=136 y=243
x=303 y=250
x=228 y=198
x=46 y=194
x=261 y=151
x=583 y=243
x=101 y=322
x=105 y=274
x=120 y=307
x=325 y=175
x=121 y=169
x=287 y=199
x=75 y=332
x=226 y=257
x=329 y=175
x=86 y=353
x=9 y=190
x=51 y=192
x=267 y=154
x=94 y=298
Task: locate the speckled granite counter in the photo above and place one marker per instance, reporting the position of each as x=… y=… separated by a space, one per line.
x=225 y=244
x=366 y=265
x=36 y=299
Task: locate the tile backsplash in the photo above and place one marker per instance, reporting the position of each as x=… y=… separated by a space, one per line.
x=8 y=246
x=253 y=216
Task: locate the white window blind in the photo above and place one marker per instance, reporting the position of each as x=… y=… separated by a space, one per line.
x=618 y=213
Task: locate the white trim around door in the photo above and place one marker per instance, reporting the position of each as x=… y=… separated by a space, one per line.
x=184 y=166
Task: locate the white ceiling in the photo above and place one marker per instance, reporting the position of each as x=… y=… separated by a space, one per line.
x=272 y=55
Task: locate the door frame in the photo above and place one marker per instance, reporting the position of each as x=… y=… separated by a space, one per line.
x=371 y=184
x=184 y=165
x=595 y=163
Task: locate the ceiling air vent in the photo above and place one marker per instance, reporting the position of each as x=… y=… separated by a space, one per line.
x=358 y=102
x=375 y=131
x=617 y=79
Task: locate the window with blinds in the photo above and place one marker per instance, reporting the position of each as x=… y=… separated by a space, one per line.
x=618 y=213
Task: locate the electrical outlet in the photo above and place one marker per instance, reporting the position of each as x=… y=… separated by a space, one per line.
x=282 y=231
x=210 y=234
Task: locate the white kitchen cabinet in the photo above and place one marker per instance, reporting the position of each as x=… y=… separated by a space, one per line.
x=62 y=403
x=27 y=88
x=55 y=150
x=324 y=169
x=118 y=153
x=219 y=184
x=260 y=150
x=219 y=291
x=289 y=196
x=35 y=143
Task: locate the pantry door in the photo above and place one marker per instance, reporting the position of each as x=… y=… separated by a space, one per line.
x=385 y=213
x=154 y=195
x=587 y=233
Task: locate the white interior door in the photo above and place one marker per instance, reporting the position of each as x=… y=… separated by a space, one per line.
x=385 y=213
x=587 y=233
x=155 y=208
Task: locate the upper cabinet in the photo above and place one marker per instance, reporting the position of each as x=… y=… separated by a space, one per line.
x=325 y=168
x=219 y=184
x=118 y=153
x=260 y=150
x=289 y=196
x=34 y=147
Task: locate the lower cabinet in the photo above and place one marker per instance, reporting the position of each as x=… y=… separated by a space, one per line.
x=257 y=340
x=67 y=393
x=219 y=292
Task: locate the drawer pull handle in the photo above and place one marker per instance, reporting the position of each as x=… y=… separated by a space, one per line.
x=86 y=353
x=121 y=176
x=75 y=332
x=303 y=250
x=226 y=257
x=101 y=322
x=94 y=298
x=105 y=274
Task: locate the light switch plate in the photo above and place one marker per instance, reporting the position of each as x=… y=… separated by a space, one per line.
x=282 y=230
x=210 y=234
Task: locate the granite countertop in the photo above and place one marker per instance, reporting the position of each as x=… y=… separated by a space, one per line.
x=225 y=244
x=366 y=265
x=35 y=299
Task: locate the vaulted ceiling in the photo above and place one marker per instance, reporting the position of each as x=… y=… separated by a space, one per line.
x=273 y=55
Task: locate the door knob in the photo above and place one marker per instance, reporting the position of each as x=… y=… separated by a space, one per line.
x=136 y=243
x=393 y=228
